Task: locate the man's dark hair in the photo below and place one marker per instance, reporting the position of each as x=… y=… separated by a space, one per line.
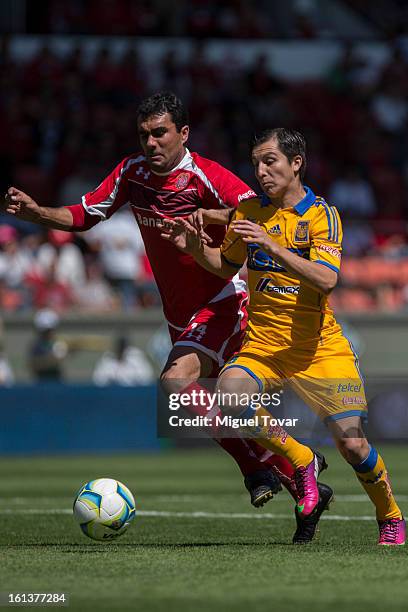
x=290 y=143
x=161 y=103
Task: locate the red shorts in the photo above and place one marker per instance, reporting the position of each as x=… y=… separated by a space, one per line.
x=217 y=329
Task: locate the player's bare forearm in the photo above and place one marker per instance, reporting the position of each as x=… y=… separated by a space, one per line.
x=315 y=275
x=186 y=237
x=215 y=216
x=22 y=206
x=211 y=259
x=56 y=218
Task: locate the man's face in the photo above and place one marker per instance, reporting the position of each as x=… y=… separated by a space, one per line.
x=274 y=172
x=162 y=144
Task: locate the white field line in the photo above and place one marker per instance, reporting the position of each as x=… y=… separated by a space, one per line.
x=355 y=498
x=340 y=498
x=169 y=514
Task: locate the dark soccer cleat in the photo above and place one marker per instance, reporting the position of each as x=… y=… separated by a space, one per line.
x=262 y=486
x=307 y=526
x=321 y=461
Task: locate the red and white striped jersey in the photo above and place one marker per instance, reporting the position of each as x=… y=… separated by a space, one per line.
x=195 y=183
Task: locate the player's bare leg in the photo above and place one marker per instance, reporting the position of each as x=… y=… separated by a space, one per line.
x=184 y=367
x=237 y=381
x=372 y=474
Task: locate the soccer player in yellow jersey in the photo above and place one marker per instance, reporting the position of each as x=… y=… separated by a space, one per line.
x=291 y=240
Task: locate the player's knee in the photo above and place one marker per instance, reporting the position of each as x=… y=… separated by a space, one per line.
x=354 y=450
x=183 y=367
x=174 y=381
x=229 y=396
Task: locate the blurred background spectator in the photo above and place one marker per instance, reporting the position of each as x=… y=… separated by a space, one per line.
x=120 y=249
x=96 y=295
x=125 y=365
x=6 y=371
x=60 y=255
x=352 y=195
x=47 y=353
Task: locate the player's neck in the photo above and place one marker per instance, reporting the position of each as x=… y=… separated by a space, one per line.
x=290 y=198
x=176 y=163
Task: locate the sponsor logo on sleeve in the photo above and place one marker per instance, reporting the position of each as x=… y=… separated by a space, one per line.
x=326 y=248
x=247 y=195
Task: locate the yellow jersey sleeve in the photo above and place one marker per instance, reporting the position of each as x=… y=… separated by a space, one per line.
x=233 y=250
x=326 y=236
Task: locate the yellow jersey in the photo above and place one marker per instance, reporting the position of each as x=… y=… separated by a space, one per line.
x=284 y=310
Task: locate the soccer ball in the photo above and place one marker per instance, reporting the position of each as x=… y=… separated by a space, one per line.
x=104 y=508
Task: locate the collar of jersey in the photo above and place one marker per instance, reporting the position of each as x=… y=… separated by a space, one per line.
x=301 y=207
x=179 y=166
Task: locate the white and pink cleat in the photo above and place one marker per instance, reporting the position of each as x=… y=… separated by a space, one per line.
x=392 y=532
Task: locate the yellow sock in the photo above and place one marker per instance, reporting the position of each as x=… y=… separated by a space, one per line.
x=276 y=439
x=373 y=476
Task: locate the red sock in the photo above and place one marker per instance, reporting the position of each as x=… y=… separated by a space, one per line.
x=269 y=458
x=246 y=453
x=282 y=465
x=240 y=450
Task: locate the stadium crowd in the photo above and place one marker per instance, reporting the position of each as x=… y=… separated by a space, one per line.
x=70 y=121
x=293 y=19
x=195 y=18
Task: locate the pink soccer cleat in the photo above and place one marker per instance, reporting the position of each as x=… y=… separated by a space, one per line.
x=306 y=487
x=392 y=532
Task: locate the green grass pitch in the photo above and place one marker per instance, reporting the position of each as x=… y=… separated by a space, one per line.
x=197 y=544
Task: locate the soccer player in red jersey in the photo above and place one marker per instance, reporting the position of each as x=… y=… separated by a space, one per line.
x=206 y=314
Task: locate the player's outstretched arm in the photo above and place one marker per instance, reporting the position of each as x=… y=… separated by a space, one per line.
x=187 y=238
x=21 y=205
x=313 y=274
x=212 y=216
x=212 y=260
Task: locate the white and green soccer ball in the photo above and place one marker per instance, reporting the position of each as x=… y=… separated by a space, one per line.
x=104 y=508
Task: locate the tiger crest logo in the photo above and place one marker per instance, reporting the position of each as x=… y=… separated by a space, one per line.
x=302 y=231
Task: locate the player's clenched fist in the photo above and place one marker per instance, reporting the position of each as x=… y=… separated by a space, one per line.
x=21 y=205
